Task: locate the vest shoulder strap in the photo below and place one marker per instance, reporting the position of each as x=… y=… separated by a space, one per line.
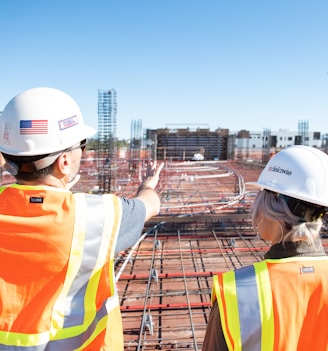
x=245 y=304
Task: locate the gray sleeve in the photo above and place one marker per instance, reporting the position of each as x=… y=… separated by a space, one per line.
x=133 y=219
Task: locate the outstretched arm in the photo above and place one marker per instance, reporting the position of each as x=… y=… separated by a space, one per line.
x=146 y=191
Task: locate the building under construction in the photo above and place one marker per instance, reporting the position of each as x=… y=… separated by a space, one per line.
x=183 y=143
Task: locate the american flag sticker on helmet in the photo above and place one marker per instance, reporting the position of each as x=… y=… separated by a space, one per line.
x=33 y=126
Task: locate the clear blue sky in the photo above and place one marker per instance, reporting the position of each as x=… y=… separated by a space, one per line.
x=237 y=64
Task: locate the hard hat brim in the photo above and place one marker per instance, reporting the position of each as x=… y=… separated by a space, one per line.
x=89 y=132
x=275 y=189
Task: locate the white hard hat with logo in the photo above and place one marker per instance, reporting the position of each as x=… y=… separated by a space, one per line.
x=41 y=121
x=300 y=172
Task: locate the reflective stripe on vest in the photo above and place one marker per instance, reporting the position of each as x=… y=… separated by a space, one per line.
x=75 y=320
x=245 y=303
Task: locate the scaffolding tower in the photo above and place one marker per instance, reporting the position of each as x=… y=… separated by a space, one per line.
x=135 y=144
x=107 y=142
x=303 y=131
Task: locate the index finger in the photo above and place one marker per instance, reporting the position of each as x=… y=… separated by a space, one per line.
x=159 y=169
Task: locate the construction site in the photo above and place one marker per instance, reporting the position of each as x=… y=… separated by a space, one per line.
x=204 y=225
x=203 y=228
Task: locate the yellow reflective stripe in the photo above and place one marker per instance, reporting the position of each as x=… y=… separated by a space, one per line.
x=229 y=309
x=115 y=226
x=265 y=302
x=25 y=187
x=36 y=187
x=216 y=291
x=10 y=338
x=231 y=299
x=101 y=325
x=223 y=314
x=112 y=281
x=112 y=224
x=30 y=187
x=73 y=267
x=107 y=237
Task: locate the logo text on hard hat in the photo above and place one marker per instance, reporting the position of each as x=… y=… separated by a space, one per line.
x=280 y=170
x=6 y=133
x=68 y=122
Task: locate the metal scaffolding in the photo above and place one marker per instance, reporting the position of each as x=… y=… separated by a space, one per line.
x=107 y=142
x=303 y=131
x=135 y=145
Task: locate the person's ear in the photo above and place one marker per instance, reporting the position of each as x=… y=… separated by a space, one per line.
x=63 y=163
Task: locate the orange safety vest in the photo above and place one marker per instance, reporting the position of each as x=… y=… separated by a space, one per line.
x=275 y=305
x=57 y=287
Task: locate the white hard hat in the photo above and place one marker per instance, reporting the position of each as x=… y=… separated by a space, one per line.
x=300 y=172
x=41 y=121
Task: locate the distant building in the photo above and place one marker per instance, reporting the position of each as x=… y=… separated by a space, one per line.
x=283 y=138
x=184 y=143
x=253 y=144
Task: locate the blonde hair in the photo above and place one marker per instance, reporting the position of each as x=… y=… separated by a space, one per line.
x=269 y=205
